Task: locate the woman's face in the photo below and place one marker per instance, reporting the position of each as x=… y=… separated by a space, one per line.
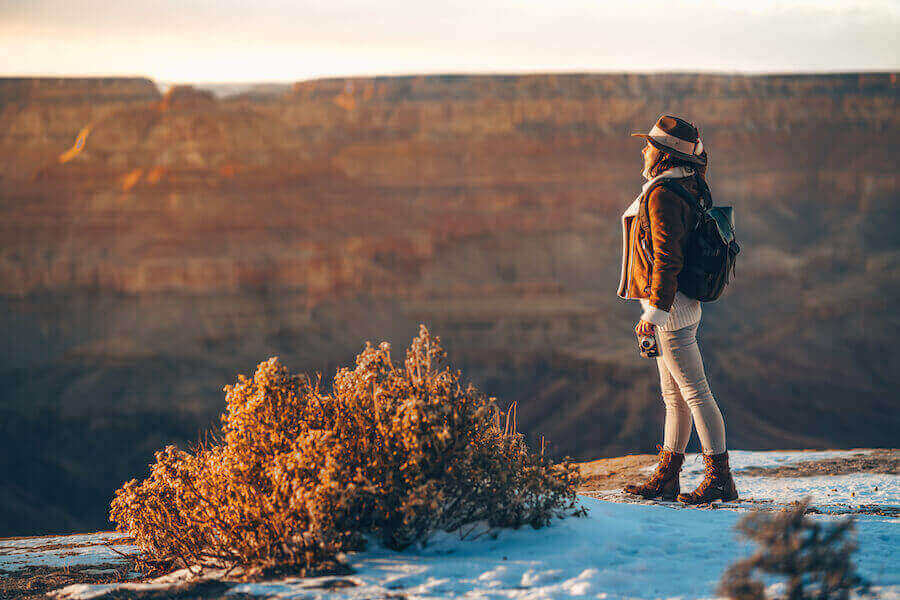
x=650 y=154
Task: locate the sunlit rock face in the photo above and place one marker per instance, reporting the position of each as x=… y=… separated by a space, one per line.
x=154 y=245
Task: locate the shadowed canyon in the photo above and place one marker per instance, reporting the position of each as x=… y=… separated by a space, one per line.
x=155 y=245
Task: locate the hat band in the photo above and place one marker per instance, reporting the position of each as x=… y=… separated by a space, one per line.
x=683 y=146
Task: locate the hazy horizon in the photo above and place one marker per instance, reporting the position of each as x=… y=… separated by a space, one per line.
x=253 y=82
x=276 y=42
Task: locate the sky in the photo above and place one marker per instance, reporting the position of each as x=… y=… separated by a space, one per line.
x=283 y=41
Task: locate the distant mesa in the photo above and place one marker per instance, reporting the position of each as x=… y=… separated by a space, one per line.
x=76 y=90
x=186 y=96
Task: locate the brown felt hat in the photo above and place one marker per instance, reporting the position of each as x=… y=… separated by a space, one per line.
x=677 y=137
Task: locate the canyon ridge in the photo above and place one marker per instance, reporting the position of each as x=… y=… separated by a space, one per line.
x=156 y=243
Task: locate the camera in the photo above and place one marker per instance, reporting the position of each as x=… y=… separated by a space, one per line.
x=647 y=346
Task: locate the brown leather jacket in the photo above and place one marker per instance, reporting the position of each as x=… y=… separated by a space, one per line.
x=671 y=217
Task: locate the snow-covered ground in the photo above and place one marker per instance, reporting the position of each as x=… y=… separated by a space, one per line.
x=620 y=550
x=62 y=551
x=826 y=490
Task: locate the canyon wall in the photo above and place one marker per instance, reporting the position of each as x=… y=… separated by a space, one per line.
x=155 y=245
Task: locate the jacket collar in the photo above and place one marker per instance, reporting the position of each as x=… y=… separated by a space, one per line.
x=674 y=172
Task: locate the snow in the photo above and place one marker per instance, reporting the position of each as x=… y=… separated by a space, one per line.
x=63 y=551
x=624 y=550
x=85 y=538
x=739 y=459
x=620 y=550
x=84 y=591
x=826 y=490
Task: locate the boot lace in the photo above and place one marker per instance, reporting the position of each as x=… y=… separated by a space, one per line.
x=709 y=475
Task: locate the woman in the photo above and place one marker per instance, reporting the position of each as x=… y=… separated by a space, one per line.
x=651 y=261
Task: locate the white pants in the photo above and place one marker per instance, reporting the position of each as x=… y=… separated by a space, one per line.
x=686 y=392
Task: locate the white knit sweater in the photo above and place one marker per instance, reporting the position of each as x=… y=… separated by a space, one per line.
x=684 y=311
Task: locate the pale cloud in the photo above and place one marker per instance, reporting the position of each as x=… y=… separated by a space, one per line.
x=230 y=40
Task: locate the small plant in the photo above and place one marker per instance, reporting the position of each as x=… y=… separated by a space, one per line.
x=298 y=474
x=814 y=558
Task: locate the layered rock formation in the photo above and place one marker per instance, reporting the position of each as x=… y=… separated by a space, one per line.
x=156 y=245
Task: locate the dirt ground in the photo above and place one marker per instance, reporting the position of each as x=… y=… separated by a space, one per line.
x=610 y=473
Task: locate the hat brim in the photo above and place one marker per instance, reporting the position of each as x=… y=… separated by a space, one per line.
x=676 y=153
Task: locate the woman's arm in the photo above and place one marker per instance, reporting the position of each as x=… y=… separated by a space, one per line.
x=667 y=231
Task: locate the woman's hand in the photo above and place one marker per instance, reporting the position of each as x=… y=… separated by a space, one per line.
x=644 y=328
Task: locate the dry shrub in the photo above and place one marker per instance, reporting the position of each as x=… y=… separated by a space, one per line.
x=298 y=475
x=814 y=559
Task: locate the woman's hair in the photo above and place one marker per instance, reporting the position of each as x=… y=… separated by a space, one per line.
x=666 y=161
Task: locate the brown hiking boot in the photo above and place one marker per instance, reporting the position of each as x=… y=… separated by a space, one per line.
x=663 y=483
x=717 y=484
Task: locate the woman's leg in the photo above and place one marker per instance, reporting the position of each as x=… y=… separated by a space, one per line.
x=677 y=430
x=681 y=355
x=665 y=483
